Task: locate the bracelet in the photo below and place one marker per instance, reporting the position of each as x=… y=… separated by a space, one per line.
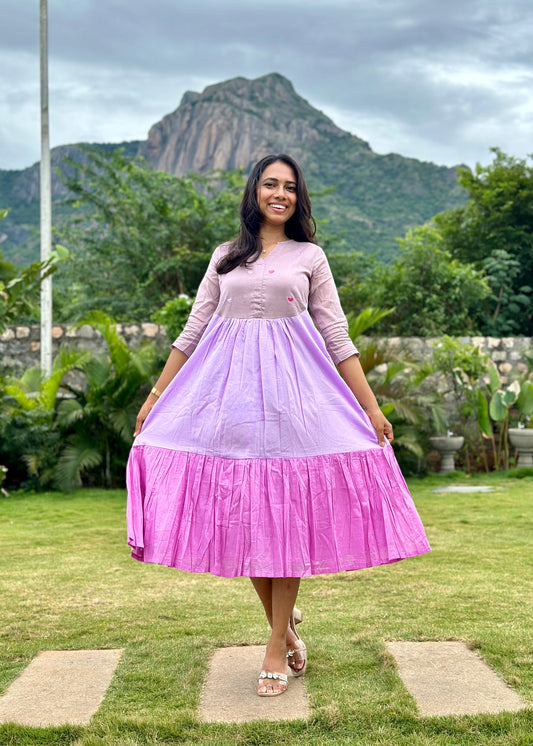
x=155 y=392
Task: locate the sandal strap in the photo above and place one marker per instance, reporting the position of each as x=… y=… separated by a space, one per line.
x=273 y=675
x=296 y=650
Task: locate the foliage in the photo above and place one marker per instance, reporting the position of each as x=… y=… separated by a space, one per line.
x=432 y=293
x=61 y=432
x=507 y=306
x=497 y=406
x=465 y=272
x=392 y=375
x=98 y=419
x=141 y=234
x=454 y=375
x=19 y=292
x=497 y=218
x=495 y=410
x=173 y=316
x=3 y=472
x=353 y=273
x=475 y=402
x=7 y=268
x=29 y=440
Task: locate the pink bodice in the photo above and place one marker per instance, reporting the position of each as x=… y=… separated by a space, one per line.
x=293 y=278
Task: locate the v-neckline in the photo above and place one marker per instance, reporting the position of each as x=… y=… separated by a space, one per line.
x=264 y=256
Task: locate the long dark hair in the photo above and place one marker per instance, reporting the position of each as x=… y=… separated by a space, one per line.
x=301 y=226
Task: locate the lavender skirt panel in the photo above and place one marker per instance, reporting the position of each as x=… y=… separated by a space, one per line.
x=290 y=517
x=259 y=388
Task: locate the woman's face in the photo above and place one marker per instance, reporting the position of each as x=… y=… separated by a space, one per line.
x=276 y=193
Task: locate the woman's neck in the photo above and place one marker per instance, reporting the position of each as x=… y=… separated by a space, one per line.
x=271 y=235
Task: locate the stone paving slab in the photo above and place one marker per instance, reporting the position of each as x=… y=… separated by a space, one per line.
x=447 y=678
x=229 y=694
x=59 y=687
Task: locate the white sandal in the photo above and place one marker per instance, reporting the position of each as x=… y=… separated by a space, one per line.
x=293 y=621
x=265 y=676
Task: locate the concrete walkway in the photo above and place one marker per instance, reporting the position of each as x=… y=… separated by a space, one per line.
x=67 y=686
x=229 y=693
x=447 y=678
x=59 y=687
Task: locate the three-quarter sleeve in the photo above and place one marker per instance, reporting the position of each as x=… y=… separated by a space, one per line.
x=326 y=311
x=203 y=308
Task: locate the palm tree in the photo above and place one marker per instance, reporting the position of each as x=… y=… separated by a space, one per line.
x=28 y=407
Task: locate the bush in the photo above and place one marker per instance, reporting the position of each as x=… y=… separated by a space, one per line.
x=173 y=316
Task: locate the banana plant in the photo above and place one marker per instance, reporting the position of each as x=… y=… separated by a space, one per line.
x=524 y=402
x=497 y=409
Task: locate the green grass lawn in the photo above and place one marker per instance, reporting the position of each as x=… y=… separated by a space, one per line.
x=67 y=582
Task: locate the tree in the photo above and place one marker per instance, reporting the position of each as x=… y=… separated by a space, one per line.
x=19 y=289
x=432 y=293
x=142 y=236
x=497 y=218
x=505 y=307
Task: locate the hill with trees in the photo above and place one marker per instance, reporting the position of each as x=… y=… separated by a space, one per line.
x=369 y=199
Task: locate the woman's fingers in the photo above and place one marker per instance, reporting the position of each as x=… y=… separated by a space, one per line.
x=143 y=414
x=382 y=427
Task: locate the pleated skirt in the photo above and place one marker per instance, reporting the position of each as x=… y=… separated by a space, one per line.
x=258 y=461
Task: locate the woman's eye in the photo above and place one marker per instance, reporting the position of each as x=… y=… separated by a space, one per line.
x=291 y=189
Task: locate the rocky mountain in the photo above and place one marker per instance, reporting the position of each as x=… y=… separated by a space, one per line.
x=232 y=124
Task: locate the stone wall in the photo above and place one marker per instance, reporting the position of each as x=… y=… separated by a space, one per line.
x=508 y=353
x=20 y=345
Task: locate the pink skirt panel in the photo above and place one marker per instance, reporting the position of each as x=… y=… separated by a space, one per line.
x=279 y=517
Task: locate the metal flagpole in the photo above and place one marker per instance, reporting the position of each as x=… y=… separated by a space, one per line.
x=46 y=196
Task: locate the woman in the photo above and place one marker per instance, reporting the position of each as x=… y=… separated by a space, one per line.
x=258 y=459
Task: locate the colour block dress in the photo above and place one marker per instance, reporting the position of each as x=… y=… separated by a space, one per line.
x=257 y=460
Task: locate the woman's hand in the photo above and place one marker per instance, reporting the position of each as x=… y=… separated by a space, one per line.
x=143 y=414
x=352 y=372
x=381 y=425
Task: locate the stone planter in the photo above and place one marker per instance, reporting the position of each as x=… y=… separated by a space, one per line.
x=522 y=439
x=447 y=446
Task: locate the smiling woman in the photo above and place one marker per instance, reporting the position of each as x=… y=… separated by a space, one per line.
x=276 y=196
x=253 y=457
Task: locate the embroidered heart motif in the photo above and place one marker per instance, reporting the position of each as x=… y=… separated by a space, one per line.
x=289 y=298
x=271 y=271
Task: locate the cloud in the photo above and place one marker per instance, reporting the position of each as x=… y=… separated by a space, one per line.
x=437 y=81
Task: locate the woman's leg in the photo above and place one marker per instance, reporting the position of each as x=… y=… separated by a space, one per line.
x=278 y=596
x=263 y=588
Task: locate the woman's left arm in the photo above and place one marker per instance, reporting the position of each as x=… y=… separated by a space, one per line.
x=327 y=313
x=354 y=376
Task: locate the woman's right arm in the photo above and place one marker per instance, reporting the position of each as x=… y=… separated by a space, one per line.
x=176 y=360
x=203 y=308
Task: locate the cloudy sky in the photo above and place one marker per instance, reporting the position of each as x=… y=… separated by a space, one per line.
x=438 y=80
